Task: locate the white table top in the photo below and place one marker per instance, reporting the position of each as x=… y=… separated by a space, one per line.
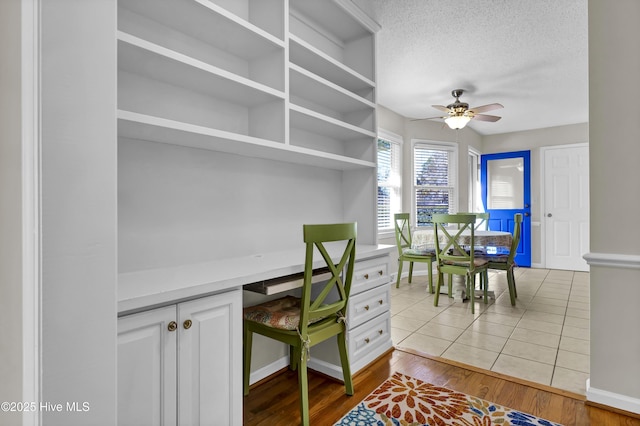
x=424 y=238
x=140 y=290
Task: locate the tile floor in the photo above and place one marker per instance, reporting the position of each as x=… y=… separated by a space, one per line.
x=544 y=338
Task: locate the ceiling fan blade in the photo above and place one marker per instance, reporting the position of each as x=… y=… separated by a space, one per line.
x=484 y=108
x=429 y=118
x=484 y=117
x=441 y=108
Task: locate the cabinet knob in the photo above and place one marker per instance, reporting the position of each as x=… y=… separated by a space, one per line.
x=366 y=276
x=366 y=308
x=187 y=324
x=380 y=332
x=381 y=301
x=366 y=340
x=172 y=326
x=380 y=273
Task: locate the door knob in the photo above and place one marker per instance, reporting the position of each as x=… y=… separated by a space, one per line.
x=527 y=214
x=549 y=215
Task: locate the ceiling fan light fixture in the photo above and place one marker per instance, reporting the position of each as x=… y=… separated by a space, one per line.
x=457 y=121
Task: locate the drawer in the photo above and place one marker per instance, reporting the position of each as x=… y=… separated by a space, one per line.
x=367 y=305
x=370 y=273
x=369 y=335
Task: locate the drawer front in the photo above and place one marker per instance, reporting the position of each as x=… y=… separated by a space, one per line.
x=369 y=335
x=370 y=273
x=367 y=305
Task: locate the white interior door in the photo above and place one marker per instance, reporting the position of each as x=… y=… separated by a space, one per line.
x=566 y=212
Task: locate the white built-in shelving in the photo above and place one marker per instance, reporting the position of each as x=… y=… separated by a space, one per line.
x=223 y=75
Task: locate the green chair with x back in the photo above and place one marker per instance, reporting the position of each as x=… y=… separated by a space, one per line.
x=301 y=322
x=455 y=258
x=406 y=253
x=507 y=262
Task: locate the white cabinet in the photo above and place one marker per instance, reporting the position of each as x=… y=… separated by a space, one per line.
x=368 y=321
x=181 y=364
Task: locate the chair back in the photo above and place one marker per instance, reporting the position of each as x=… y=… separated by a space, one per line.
x=448 y=248
x=482 y=220
x=315 y=237
x=403 y=231
x=517 y=229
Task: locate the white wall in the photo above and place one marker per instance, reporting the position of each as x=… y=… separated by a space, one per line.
x=180 y=205
x=11 y=344
x=614 y=152
x=79 y=217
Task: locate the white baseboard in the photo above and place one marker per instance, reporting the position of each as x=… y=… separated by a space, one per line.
x=269 y=369
x=611 y=399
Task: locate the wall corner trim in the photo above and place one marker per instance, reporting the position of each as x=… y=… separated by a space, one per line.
x=611 y=399
x=614 y=260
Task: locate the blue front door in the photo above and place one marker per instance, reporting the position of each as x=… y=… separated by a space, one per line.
x=506 y=190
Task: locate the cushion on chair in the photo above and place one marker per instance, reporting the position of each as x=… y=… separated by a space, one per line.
x=497 y=259
x=283 y=313
x=419 y=252
x=476 y=262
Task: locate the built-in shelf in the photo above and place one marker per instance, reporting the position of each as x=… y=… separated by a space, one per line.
x=139 y=56
x=132 y=125
x=313 y=59
x=307 y=85
x=209 y=33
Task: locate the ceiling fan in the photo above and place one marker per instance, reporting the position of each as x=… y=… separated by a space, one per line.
x=459 y=113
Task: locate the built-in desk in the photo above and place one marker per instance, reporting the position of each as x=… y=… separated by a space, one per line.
x=146 y=289
x=180 y=332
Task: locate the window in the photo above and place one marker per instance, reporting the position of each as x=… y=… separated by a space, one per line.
x=435 y=171
x=389 y=179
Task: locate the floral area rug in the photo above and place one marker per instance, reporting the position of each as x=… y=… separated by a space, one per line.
x=404 y=401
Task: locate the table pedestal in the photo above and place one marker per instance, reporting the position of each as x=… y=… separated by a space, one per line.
x=459 y=290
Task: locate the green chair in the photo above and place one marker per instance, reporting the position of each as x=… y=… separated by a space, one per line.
x=406 y=253
x=507 y=262
x=301 y=322
x=454 y=258
x=482 y=220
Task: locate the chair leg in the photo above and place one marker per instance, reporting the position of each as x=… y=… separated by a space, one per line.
x=430 y=276
x=471 y=288
x=248 y=339
x=303 y=386
x=294 y=356
x=512 y=287
x=344 y=361
x=436 y=296
x=410 y=271
x=485 y=277
x=450 y=286
x=513 y=280
x=400 y=262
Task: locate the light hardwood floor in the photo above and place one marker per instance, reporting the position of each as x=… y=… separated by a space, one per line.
x=274 y=402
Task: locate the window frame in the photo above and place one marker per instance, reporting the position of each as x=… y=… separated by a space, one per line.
x=475 y=196
x=452 y=149
x=395 y=140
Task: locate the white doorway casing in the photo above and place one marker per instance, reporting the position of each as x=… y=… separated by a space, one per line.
x=565 y=207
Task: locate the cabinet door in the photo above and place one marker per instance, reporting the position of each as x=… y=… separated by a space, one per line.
x=210 y=360
x=147 y=368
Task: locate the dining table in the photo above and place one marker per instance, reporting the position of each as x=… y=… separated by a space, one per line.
x=489 y=242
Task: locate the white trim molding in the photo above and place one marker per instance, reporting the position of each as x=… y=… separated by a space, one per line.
x=613 y=260
x=611 y=399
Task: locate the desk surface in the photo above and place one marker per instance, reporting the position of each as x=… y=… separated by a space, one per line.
x=142 y=290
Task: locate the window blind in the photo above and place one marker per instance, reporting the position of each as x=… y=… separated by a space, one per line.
x=435 y=172
x=389 y=182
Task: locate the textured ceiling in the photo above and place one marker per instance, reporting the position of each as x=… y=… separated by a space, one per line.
x=528 y=55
